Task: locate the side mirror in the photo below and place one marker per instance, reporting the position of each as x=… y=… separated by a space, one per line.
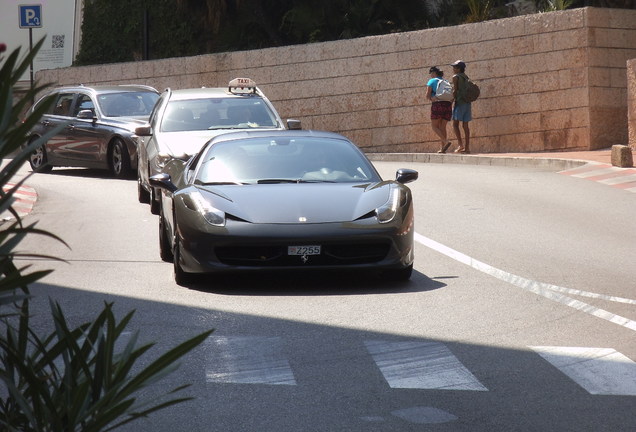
x=405 y=175
x=162 y=181
x=86 y=114
x=293 y=124
x=145 y=130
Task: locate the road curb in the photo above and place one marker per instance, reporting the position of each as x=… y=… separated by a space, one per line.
x=554 y=163
x=25 y=198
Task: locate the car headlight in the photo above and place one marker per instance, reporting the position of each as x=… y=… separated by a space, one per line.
x=386 y=212
x=212 y=215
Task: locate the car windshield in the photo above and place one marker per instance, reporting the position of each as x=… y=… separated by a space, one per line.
x=127 y=104
x=218 y=113
x=271 y=160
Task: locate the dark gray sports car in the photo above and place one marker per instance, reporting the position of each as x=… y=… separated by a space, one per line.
x=283 y=200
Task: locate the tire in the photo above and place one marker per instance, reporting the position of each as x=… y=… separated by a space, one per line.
x=181 y=277
x=401 y=275
x=155 y=201
x=142 y=194
x=165 y=251
x=39 y=161
x=119 y=159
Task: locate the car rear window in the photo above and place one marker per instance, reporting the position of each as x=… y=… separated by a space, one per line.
x=127 y=104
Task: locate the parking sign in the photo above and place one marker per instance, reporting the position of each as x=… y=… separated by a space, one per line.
x=30 y=16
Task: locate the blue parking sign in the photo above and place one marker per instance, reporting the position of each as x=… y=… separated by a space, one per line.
x=30 y=16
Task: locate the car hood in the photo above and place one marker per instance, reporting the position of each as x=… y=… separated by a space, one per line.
x=299 y=203
x=128 y=123
x=189 y=143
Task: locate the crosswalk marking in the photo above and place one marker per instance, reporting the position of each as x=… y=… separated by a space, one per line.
x=595 y=173
x=600 y=371
x=248 y=360
x=414 y=364
x=621 y=178
x=421 y=365
x=24 y=199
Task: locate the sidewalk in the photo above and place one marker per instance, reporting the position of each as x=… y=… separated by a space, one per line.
x=558 y=160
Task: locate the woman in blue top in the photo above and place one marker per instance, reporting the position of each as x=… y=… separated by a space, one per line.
x=441 y=111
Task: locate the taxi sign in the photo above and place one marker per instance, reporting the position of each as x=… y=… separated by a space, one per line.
x=242 y=85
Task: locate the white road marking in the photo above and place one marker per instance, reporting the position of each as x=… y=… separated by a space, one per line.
x=421 y=365
x=248 y=360
x=598 y=172
x=600 y=371
x=619 y=180
x=548 y=291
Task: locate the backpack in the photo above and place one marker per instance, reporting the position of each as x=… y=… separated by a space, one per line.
x=471 y=90
x=444 y=90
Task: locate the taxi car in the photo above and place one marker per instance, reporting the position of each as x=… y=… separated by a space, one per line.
x=284 y=200
x=97 y=127
x=184 y=120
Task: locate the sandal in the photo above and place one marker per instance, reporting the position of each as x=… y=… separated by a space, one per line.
x=459 y=150
x=443 y=149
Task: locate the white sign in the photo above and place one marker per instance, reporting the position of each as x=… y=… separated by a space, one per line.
x=56 y=24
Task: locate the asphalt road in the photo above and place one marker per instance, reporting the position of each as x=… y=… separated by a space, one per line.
x=520 y=315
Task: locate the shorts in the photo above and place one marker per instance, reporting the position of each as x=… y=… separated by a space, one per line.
x=462 y=112
x=441 y=110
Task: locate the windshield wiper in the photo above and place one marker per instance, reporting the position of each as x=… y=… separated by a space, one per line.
x=219 y=183
x=282 y=180
x=278 y=180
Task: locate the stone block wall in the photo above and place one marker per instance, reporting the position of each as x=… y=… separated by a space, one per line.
x=550 y=81
x=631 y=102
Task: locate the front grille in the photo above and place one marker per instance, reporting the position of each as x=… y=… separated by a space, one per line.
x=276 y=256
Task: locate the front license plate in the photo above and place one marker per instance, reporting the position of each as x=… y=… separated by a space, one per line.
x=303 y=250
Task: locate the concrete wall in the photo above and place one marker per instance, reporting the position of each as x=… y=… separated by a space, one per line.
x=551 y=81
x=631 y=102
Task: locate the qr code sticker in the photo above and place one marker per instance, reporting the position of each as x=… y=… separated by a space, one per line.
x=57 y=41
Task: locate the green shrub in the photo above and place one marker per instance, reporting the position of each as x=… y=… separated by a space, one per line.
x=73 y=379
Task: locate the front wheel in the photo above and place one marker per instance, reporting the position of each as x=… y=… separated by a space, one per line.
x=39 y=161
x=165 y=250
x=181 y=277
x=155 y=201
x=119 y=159
x=142 y=194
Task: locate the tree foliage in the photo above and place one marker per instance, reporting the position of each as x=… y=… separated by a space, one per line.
x=191 y=27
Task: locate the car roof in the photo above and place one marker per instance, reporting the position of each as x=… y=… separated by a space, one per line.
x=101 y=89
x=207 y=93
x=248 y=134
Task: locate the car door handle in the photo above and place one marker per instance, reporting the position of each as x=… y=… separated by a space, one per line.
x=70 y=127
x=46 y=122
